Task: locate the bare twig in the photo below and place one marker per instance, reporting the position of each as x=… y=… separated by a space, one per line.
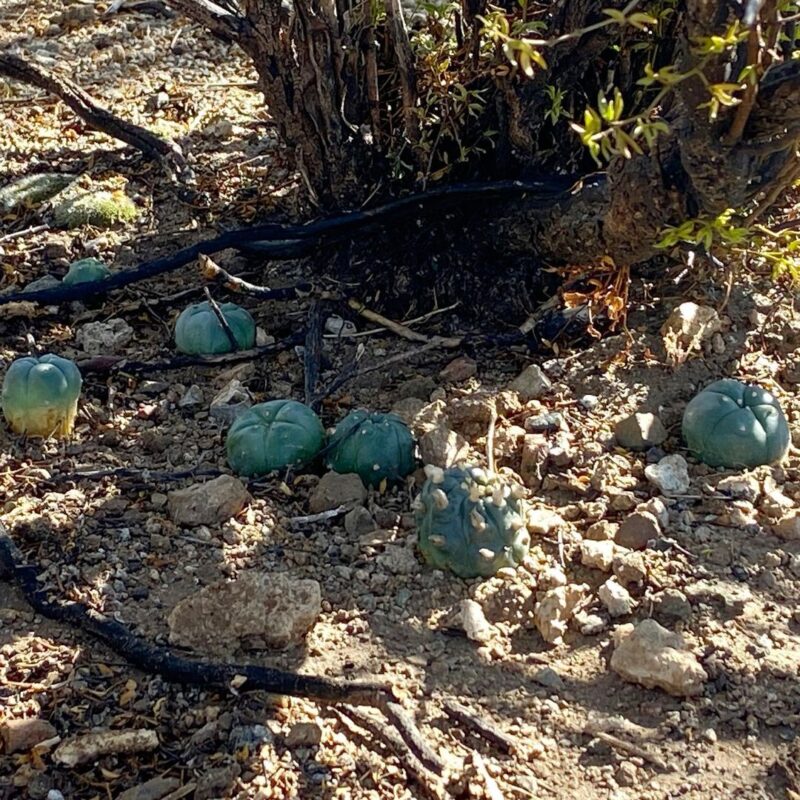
x=402 y=330
x=308 y=519
x=312 y=353
x=213 y=272
x=484 y=728
x=411 y=736
x=168 y=153
x=221 y=319
x=430 y=783
x=630 y=748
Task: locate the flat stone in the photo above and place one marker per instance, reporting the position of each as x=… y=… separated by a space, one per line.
x=459 y=370
x=549 y=678
x=303 y=734
x=336 y=490
x=358 y=521
x=640 y=431
x=270 y=607
x=154 y=789
x=671 y=604
x=20 y=735
x=531 y=383
x=654 y=657
x=474 y=621
x=637 y=529
x=554 y=610
x=230 y=402
x=104 y=338
x=533 y=463
x=209 y=503
x=629 y=568
x=193 y=396
x=686 y=328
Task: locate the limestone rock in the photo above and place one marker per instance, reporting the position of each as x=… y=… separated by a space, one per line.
x=336 y=490
x=616 y=598
x=531 y=383
x=231 y=401
x=443 y=447
x=671 y=604
x=154 y=789
x=358 y=521
x=629 y=568
x=474 y=621
x=788 y=526
x=652 y=656
x=640 y=431
x=670 y=475
x=209 y=503
x=270 y=607
x=535 y=453
x=597 y=554
x=193 y=396
x=102 y=338
x=554 y=610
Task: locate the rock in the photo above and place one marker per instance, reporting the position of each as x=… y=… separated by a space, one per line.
x=531 y=383
x=474 y=622
x=154 y=789
x=616 y=598
x=231 y=401
x=358 y=521
x=637 y=529
x=88 y=747
x=591 y=624
x=209 y=503
x=104 y=338
x=421 y=418
x=550 y=422
x=443 y=447
x=543 y=520
x=216 y=783
x=671 y=604
x=270 y=607
x=740 y=487
x=549 y=678
x=152 y=387
x=157 y=101
x=420 y=386
x=601 y=530
x=459 y=370
x=554 y=610
x=640 y=431
x=686 y=328
x=408 y=409
x=788 y=526
x=656 y=507
x=623 y=501
x=597 y=554
x=193 y=396
x=734 y=596
x=534 y=456
x=19 y=735
x=303 y=734
x=670 y=475
x=589 y=401
x=629 y=568
x=336 y=490
x=652 y=656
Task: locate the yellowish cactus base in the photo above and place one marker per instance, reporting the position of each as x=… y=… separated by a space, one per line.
x=44 y=422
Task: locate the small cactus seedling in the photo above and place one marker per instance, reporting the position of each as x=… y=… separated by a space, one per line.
x=376 y=447
x=470 y=521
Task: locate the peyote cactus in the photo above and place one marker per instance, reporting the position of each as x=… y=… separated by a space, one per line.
x=376 y=447
x=731 y=424
x=85 y=271
x=40 y=396
x=470 y=521
x=274 y=435
x=198 y=330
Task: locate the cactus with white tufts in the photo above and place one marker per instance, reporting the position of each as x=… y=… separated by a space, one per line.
x=471 y=521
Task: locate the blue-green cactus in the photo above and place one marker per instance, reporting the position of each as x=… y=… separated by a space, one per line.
x=730 y=424
x=40 y=395
x=276 y=435
x=376 y=447
x=85 y=271
x=470 y=521
x=198 y=330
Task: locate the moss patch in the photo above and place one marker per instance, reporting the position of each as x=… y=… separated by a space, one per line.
x=100 y=208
